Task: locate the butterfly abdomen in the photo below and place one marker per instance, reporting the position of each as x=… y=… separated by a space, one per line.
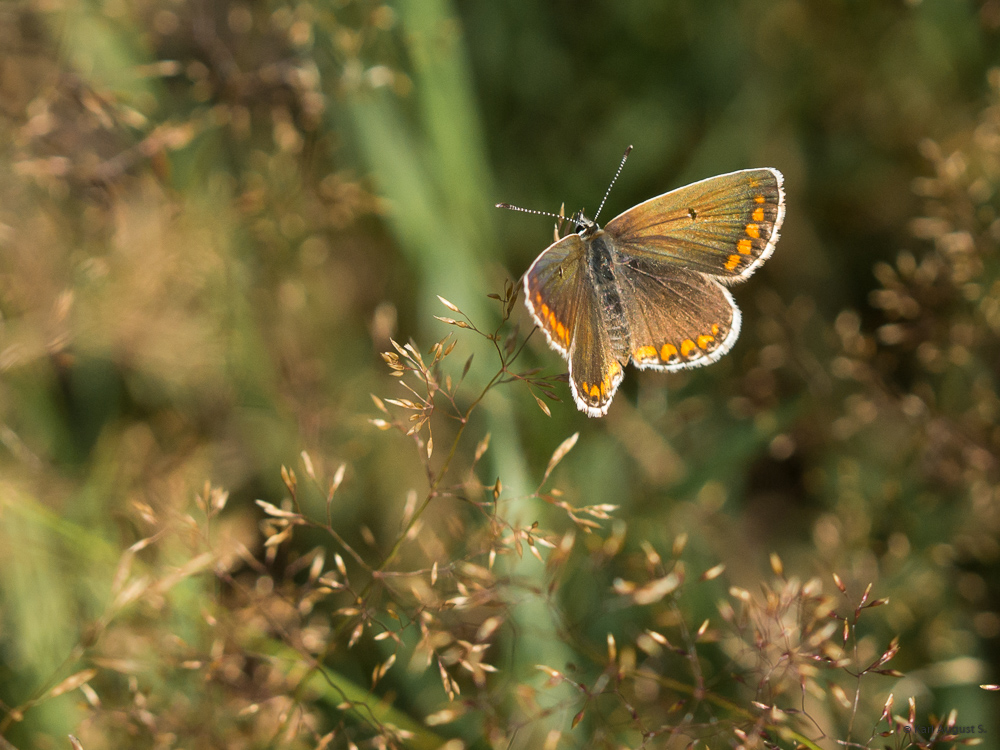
x=601 y=266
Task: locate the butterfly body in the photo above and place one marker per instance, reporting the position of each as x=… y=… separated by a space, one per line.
x=650 y=287
x=601 y=262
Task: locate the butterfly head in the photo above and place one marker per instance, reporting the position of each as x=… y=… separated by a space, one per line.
x=584 y=226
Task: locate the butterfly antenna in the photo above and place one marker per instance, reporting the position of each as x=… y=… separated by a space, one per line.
x=509 y=207
x=613 y=180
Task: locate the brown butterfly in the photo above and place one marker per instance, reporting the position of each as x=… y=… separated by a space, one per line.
x=651 y=285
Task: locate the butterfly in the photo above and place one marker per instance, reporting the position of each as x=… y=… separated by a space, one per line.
x=650 y=286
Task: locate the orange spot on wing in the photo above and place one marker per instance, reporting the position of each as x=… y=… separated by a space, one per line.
x=704 y=340
x=732 y=262
x=759 y=199
x=715 y=329
x=744 y=246
x=606 y=383
x=753 y=230
x=614 y=370
x=667 y=352
x=595 y=392
x=688 y=346
x=758 y=214
x=645 y=352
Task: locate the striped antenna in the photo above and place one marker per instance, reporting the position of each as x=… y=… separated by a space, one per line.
x=579 y=215
x=613 y=180
x=509 y=207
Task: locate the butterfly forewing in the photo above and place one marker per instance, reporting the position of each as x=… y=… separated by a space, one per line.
x=725 y=226
x=562 y=299
x=554 y=287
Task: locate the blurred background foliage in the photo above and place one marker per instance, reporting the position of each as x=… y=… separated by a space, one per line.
x=214 y=216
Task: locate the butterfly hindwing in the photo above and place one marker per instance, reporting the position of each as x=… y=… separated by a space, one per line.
x=594 y=368
x=677 y=318
x=725 y=226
